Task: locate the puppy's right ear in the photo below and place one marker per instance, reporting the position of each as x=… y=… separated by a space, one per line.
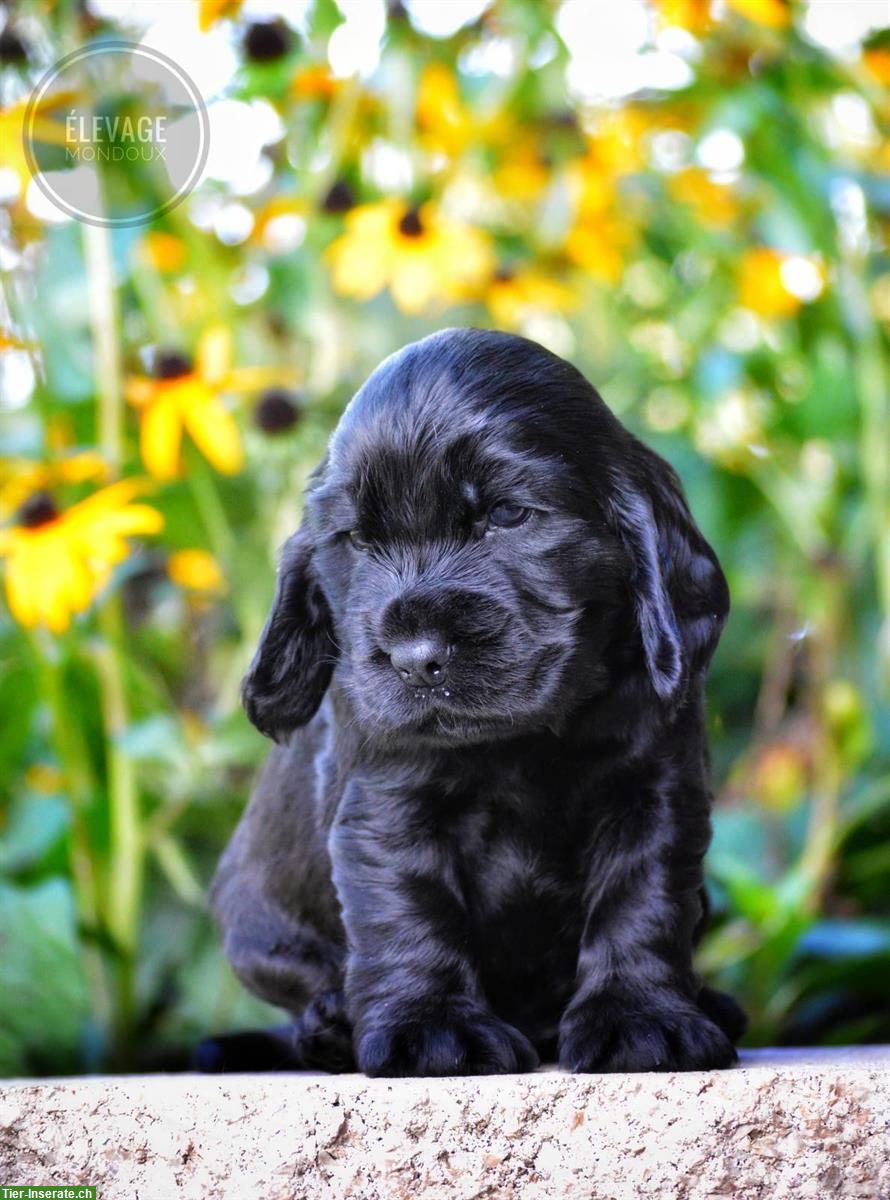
x=294 y=661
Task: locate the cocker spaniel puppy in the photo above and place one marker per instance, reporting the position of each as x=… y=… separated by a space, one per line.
x=479 y=840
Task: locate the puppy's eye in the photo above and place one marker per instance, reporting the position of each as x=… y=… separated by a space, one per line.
x=508 y=516
x=356 y=540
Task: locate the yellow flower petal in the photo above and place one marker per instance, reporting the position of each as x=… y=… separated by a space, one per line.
x=196 y=570
x=140 y=391
x=775 y=14
x=163 y=251
x=314 y=83
x=214 y=355
x=160 y=436
x=877 y=61
x=760 y=284
x=691 y=15
x=415 y=283
x=359 y=265
x=442 y=119
x=211 y=11
x=20 y=592
x=712 y=202
x=215 y=433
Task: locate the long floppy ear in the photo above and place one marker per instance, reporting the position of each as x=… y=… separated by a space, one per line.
x=680 y=593
x=293 y=663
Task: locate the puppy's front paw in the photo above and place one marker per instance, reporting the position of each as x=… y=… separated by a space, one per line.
x=455 y=1040
x=609 y=1034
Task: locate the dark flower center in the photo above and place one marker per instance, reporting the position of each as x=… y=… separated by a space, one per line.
x=563 y=118
x=411 y=225
x=265 y=41
x=38 y=510
x=504 y=274
x=276 y=411
x=340 y=198
x=12 y=48
x=171 y=364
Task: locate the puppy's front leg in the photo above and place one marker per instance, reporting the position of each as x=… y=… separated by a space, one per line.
x=412 y=989
x=634 y=1008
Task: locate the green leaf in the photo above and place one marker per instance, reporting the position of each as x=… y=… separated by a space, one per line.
x=34 y=825
x=44 y=1014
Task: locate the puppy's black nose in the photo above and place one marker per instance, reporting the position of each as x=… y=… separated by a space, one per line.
x=421 y=661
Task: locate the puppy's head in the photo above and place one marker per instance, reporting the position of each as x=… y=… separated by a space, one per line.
x=484 y=550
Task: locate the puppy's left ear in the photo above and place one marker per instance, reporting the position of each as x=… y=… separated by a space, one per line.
x=294 y=661
x=680 y=593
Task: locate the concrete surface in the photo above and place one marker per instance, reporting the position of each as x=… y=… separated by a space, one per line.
x=802 y=1124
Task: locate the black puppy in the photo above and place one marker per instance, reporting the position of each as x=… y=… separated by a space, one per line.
x=485 y=843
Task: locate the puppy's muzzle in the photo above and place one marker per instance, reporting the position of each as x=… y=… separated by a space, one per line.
x=421 y=661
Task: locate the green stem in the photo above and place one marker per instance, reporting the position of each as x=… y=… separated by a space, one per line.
x=106 y=350
x=126 y=850
x=79 y=785
x=125 y=868
x=125 y=874
x=874 y=390
x=820 y=842
x=209 y=505
x=223 y=544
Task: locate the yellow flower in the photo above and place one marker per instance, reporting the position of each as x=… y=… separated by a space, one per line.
x=774 y=14
x=57 y=561
x=522 y=172
x=616 y=143
x=211 y=11
x=514 y=296
x=42 y=128
x=712 y=202
x=423 y=257
x=186 y=398
x=195 y=570
x=448 y=126
x=21 y=478
x=163 y=251
x=598 y=245
x=444 y=124
x=691 y=15
x=314 y=83
x=774 y=284
x=876 y=58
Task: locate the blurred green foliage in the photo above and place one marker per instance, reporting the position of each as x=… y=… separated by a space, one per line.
x=714 y=257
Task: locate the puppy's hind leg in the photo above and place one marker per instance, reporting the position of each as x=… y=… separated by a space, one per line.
x=320 y=1039
x=284 y=962
x=288 y=963
x=254 y=1050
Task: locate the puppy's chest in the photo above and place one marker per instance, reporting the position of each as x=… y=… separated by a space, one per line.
x=519 y=859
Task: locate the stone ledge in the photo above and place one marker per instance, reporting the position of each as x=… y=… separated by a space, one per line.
x=802 y=1124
